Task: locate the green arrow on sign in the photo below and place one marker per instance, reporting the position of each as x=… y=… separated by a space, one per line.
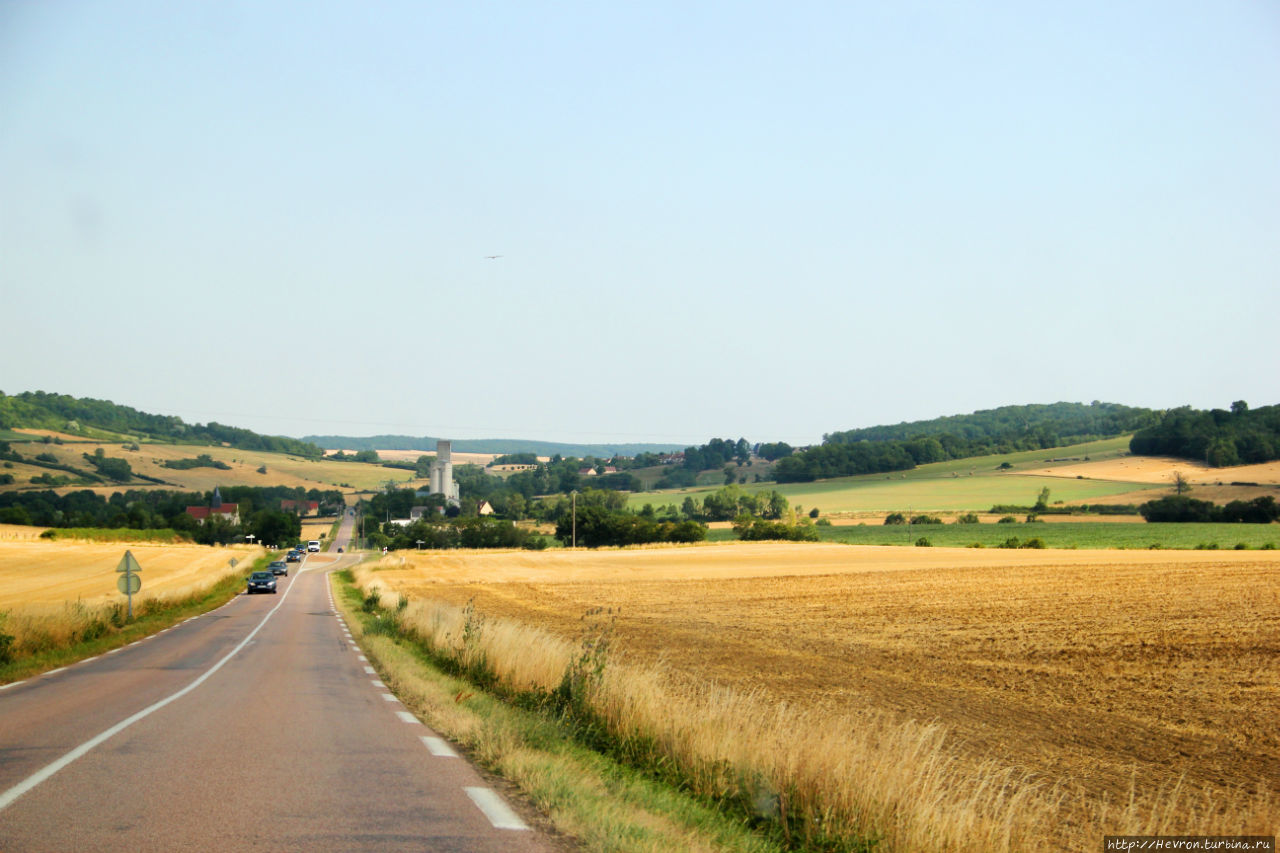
x=128 y=584
x=128 y=563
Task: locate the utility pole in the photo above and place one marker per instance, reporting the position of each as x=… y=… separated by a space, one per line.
x=574 y=498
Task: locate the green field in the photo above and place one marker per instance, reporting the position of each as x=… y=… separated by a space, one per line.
x=963 y=484
x=1083 y=534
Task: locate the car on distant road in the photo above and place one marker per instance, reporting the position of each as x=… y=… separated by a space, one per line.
x=279 y=567
x=261 y=582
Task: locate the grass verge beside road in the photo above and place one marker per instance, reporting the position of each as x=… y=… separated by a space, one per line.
x=602 y=803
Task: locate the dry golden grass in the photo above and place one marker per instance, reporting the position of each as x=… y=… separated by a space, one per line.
x=39 y=572
x=315 y=528
x=952 y=699
x=20 y=531
x=1160 y=469
x=53 y=593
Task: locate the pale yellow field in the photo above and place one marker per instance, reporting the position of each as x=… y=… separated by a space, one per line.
x=1110 y=675
x=480 y=459
x=35 y=572
x=315 y=529
x=1160 y=469
x=282 y=470
x=20 y=531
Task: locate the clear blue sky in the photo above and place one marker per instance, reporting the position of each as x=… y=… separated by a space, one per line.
x=770 y=220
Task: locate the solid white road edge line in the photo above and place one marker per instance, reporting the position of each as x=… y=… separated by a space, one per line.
x=7 y=798
x=498 y=812
x=437 y=747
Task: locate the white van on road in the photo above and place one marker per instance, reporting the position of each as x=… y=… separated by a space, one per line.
x=313 y=545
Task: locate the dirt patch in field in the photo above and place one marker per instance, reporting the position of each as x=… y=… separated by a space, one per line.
x=1103 y=669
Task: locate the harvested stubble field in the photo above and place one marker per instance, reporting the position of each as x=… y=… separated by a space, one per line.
x=36 y=572
x=53 y=594
x=1110 y=676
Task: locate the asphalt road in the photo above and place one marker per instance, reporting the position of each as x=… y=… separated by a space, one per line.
x=258 y=726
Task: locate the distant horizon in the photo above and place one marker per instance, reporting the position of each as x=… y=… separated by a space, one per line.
x=614 y=442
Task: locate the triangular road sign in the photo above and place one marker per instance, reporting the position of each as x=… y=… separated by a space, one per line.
x=128 y=563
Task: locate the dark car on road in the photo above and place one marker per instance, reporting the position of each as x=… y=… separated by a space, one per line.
x=261 y=582
x=293 y=557
x=279 y=567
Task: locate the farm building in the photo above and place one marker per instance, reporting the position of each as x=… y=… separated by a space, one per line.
x=216 y=507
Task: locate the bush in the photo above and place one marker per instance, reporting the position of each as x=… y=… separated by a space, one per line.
x=1008 y=519
x=895 y=518
x=968 y=518
x=923 y=542
x=925 y=519
x=1035 y=542
x=754 y=530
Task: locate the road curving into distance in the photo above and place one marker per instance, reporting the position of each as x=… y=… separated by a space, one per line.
x=255 y=726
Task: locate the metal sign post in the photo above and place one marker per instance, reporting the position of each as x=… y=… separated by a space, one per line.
x=129 y=582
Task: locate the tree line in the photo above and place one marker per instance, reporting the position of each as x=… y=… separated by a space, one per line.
x=158 y=509
x=1180 y=508
x=1218 y=437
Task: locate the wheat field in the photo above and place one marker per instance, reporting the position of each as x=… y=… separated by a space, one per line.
x=1111 y=691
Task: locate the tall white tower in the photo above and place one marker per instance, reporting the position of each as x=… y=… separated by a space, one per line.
x=442 y=472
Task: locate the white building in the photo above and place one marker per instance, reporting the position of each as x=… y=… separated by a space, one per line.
x=442 y=473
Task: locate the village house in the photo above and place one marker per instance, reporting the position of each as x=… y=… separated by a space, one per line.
x=230 y=512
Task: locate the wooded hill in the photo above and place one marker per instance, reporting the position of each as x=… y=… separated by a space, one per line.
x=92 y=418
x=1241 y=436
x=1007 y=429
x=1012 y=428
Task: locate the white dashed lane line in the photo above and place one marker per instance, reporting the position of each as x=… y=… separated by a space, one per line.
x=497 y=811
x=377 y=683
x=407 y=717
x=368 y=670
x=437 y=747
x=390 y=697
